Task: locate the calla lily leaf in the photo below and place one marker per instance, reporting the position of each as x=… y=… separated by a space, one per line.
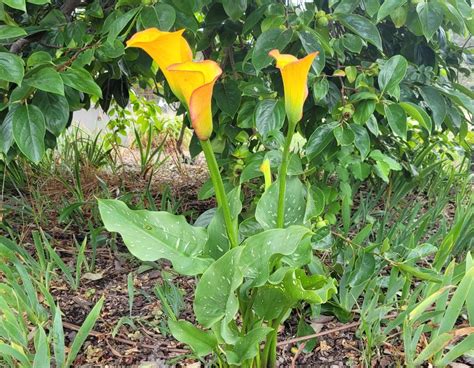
x=151 y=235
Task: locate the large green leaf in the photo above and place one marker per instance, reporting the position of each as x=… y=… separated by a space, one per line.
x=397 y=120
x=344 y=135
x=315 y=289
x=260 y=250
x=417 y=113
x=202 y=342
x=81 y=79
x=361 y=140
x=266 y=212
x=388 y=7
x=215 y=297
x=320 y=139
x=399 y=16
x=363 y=111
x=269 y=116
x=161 y=16
x=119 y=24
x=218 y=242
x=6 y=130
x=11 y=67
x=320 y=89
x=55 y=109
x=58 y=338
x=346 y=6
x=362 y=27
x=166 y=16
x=459 y=97
x=270 y=301
x=45 y=79
x=16 y=4
x=310 y=42
x=392 y=73
x=267 y=41
x=436 y=103
x=371 y=7
x=151 y=235
x=29 y=131
x=234 y=8
x=431 y=17
x=7 y=32
x=315 y=202
x=228 y=97
x=247 y=346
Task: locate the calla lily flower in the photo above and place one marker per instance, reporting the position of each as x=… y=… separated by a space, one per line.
x=267 y=173
x=294 y=73
x=165 y=48
x=194 y=81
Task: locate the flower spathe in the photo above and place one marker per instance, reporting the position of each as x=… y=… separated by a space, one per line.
x=267 y=173
x=195 y=81
x=165 y=48
x=294 y=73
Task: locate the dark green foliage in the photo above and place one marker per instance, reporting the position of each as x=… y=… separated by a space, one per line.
x=375 y=60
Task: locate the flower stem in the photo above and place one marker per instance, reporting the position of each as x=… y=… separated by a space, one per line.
x=269 y=351
x=221 y=196
x=282 y=176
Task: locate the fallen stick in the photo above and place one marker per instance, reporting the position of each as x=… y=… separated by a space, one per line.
x=319 y=334
x=72 y=326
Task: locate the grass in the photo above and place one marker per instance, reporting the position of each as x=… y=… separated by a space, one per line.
x=401 y=256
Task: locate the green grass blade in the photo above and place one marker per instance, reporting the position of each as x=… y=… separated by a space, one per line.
x=42 y=350
x=457 y=301
x=7 y=350
x=58 y=339
x=460 y=349
x=84 y=332
x=420 y=308
x=433 y=347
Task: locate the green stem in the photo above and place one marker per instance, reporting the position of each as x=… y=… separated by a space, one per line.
x=282 y=176
x=269 y=351
x=221 y=196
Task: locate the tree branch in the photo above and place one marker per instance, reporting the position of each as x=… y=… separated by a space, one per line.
x=67 y=9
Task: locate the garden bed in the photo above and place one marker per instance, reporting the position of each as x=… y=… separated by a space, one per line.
x=126 y=337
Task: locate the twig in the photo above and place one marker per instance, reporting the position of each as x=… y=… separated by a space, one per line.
x=319 y=334
x=298 y=352
x=74 y=327
x=73 y=58
x=393 y=350
x=460 y=332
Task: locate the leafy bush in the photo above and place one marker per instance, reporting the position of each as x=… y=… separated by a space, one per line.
x=384 y=105
x=386 y=73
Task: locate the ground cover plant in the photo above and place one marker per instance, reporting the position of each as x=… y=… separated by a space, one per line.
x=334 y=183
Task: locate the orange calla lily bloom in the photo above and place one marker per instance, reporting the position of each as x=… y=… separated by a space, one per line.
x=195 y=81
x=294 y=73
x=267 y=173
x=165 y=48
